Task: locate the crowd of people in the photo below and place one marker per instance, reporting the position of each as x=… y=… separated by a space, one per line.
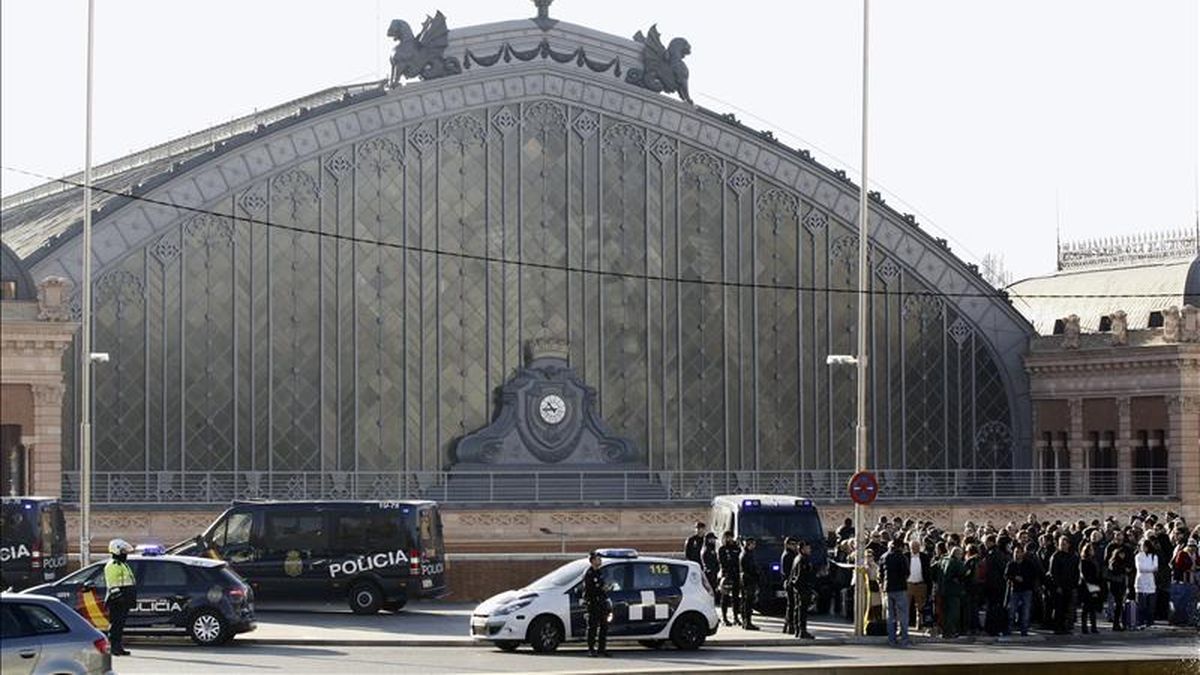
x=998 y=579
x=1004 y=579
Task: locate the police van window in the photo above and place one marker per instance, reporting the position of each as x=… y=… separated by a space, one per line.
x=352 y=532
x=284 y=532
x=17 y=529
x=652 y=575
x=162 y=573
x=236 y=532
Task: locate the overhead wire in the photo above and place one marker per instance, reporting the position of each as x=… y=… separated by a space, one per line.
x=997 y=294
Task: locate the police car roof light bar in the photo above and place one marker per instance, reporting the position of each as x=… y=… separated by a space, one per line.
x=617 y=552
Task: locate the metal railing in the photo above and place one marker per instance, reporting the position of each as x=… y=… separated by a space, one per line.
x=622 y=487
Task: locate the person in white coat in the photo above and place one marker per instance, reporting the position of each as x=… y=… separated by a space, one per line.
x=1146 y=564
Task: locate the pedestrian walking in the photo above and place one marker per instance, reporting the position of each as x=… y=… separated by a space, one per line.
x=1120 y=566
x=1022 y=574
x=918 y=579
x=121 y=595
x=596 y=605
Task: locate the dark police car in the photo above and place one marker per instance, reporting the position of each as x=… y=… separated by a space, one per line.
x=373 y=555
x=33 y=541
x=201 y=597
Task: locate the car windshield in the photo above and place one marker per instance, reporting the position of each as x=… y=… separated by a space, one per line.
x=82 y=575
x=775 y=524
x=563 y=576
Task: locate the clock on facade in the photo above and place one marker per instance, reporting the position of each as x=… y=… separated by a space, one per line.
x=552 y=408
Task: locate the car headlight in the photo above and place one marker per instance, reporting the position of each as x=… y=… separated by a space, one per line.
x=505 y=610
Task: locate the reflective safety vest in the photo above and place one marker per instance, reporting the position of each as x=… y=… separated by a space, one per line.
x=117 y=573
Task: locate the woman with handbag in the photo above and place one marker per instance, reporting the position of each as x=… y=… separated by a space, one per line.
x=1091 y=591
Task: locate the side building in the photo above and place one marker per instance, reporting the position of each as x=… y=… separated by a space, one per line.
x=1115 y=369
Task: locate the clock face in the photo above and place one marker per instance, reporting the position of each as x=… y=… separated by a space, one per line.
x=552 y=408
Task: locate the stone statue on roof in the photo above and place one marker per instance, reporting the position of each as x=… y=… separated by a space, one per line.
x=421 y=55
x=663 y=69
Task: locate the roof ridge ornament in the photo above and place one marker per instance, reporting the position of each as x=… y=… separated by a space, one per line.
x=422 y=55
x=663 y=69
x=543 y=19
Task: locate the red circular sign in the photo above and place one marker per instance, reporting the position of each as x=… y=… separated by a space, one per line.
x=863 y=487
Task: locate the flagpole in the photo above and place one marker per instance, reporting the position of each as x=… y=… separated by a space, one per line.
x=85 y=372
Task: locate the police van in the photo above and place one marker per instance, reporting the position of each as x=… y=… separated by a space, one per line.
x=653 y=600
x=371 y=554
x=33 y=541
x=769 y=519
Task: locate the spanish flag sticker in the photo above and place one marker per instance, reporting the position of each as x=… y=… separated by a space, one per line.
x=93 y=609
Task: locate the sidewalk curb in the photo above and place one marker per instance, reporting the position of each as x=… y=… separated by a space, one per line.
x=739 y=643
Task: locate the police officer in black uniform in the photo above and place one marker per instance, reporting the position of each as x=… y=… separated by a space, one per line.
x=710 y=563
x=695 y=544
x=803 y=582
x=790 y=551
x=750 y=582
x=595 y=602
x=731 y=581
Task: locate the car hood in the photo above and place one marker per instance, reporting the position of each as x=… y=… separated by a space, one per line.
x=496 y=601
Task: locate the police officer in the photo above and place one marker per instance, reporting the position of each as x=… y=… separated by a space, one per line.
x=750 y=581
x=695 y=544
x=731 y=581
x=803 y=582
x=710 y=563
x=595 y=602
x=790 y=550
x=121 y=595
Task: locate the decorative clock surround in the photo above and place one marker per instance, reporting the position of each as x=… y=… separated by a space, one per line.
x=547 y=416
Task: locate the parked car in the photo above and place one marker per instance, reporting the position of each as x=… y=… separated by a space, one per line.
x=200 y=597
x=371 y=555
x=39 y=634
x=653 y=600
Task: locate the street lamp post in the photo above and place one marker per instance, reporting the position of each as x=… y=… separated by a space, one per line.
x=860 y=427
x=85 y=352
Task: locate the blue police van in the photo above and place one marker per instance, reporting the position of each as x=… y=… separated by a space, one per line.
x=769 y=519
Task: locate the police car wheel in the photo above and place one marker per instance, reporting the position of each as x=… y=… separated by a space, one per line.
x=508 y=645
x=545 y=634
x=365 y=598
x=208 y=628
x=652 y=644
x=689 y=632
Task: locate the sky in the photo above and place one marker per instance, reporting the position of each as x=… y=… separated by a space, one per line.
x=995 y=122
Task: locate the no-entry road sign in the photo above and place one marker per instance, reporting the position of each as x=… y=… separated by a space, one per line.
x=863 y=487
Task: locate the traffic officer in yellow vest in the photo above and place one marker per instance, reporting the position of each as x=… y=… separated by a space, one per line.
x=122 y=593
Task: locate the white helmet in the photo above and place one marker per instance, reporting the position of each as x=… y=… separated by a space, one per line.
x=118 y=546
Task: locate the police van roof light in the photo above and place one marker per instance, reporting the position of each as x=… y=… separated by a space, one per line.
x=617 y=552
x=150 y=549
x=751 y=503
x=803 y=502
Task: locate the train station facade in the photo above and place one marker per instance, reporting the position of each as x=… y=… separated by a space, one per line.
x=531 y=274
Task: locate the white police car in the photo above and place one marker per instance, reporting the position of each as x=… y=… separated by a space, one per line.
x=653 y=600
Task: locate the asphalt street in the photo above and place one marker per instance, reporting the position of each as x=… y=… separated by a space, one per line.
x=180 y=657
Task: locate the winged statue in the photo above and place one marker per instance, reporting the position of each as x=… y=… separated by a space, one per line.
x=663 y=69
x=421 y=55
